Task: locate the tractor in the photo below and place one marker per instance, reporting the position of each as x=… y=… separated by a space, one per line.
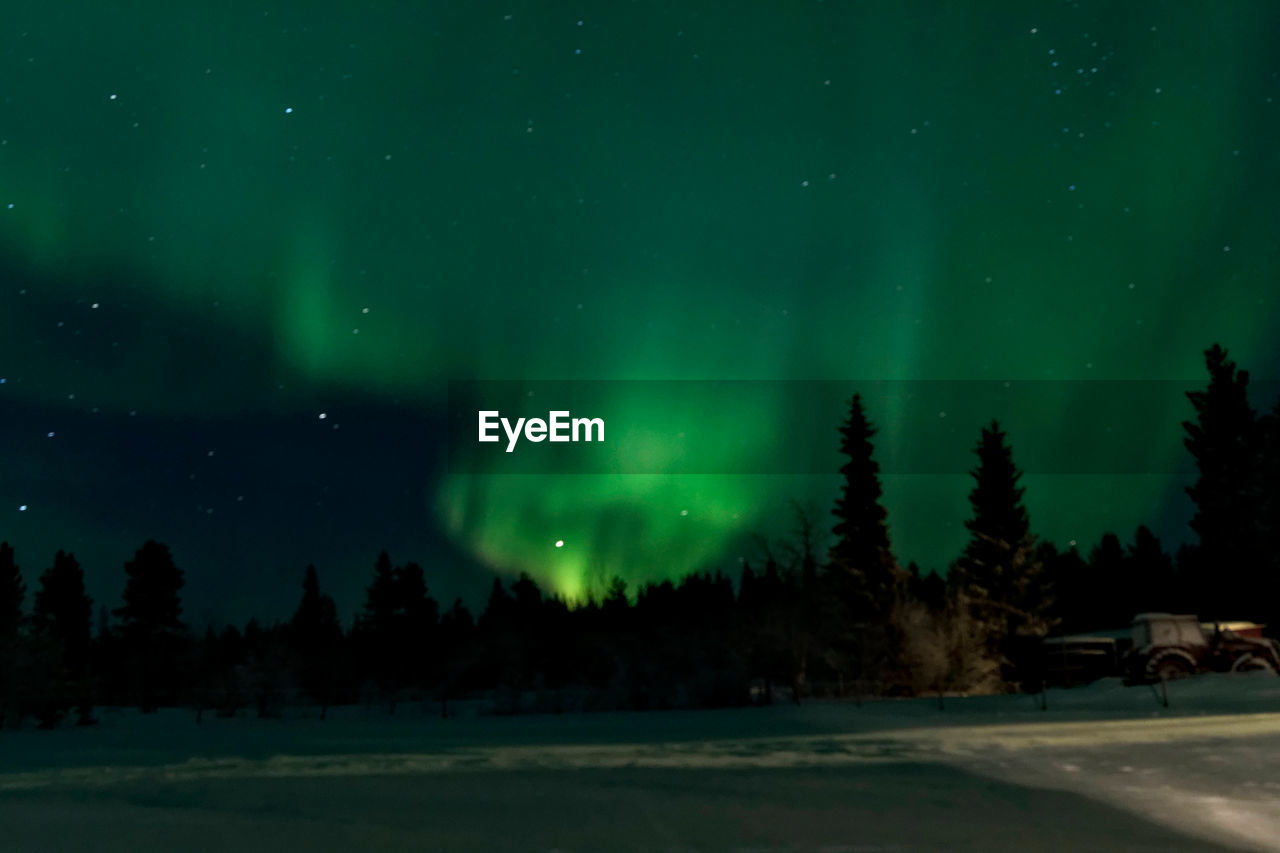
x=1168 y=646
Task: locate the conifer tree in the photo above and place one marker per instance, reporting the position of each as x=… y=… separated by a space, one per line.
x=375 y=630
x=1000 y=571
x=380 y=600
x=497 y=612
x=1067 y=574
x=861 y=564
x=1112 y=584
x=615 y=602
x=1268 y=523
x=1157 y=588
x=457 y=634
x=151 y=622
x=12 y=595
x=417 y=617
x=457 y=647
x=317 y=640
x=152 y=594
x=999 y=523
x=1225 y=440
x=61 y=620
x=927 y=589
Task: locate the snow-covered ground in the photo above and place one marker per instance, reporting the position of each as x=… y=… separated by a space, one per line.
x=1104 y=767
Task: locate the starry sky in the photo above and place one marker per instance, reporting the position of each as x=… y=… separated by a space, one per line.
x=244 y=248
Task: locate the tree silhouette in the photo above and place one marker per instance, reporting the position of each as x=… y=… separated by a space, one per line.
x=1000 y=571
x=457 y=640
x=928 y=589
x=498 y=609
x=860 y=560
x=1157 y=588
x=691 y=641
x=60 y=624
x=1269 y=513
x=12 y=596
x=415 y=629
x=374 y=633
x=151 y=622
x=523 y=656
x=999 y=520
x=317 y=641
x=1112 y=584
x=380 y=600
x=1226 y=441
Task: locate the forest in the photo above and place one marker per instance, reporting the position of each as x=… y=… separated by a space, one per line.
x=802 y=621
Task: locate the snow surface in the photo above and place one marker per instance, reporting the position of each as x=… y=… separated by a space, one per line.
x=1105 y=767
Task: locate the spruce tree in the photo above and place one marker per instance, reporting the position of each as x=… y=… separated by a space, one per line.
x=1225 y=440
x=457 y=625
x=63 y=612
x=1067 y=574
x=457 y=640
x=750 y=614
x=1112 y=583
x=375 y=630
x=1269 y=514
x=999 y=523
x=1152 y=571
x=615 y=602
x=12 y=595
x=861 y=565
x=379 y=611
x=497 y=613
x=317 y=640
x=152 y=603
x=151 y=623
x=61 y=624
x=927 y=589
x=1001 y=570
x=311 y=617
x=417 y=617
x=747 y=589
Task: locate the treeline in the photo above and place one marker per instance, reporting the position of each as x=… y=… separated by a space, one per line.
x=845 y=620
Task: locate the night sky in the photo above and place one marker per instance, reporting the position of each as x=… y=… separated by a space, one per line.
x=244 y=247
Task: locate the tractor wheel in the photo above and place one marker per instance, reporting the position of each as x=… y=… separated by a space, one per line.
x=1253 y=663
x=1170 y=664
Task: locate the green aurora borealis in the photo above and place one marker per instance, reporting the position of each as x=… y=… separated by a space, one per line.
x=289 y=208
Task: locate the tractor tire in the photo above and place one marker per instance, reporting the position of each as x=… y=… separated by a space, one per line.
x=1170 y=664
x=1253 y=663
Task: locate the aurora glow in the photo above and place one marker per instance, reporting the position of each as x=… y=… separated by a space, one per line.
x=218 y=220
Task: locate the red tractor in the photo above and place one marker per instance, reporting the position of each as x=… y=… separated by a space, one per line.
x=1166 y=646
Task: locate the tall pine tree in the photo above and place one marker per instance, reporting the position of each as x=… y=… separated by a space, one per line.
x=1269 y=513
x=1156 y=587
x=317 y=640
x=1112 y=583
x=1225 y=439
x=1067 y=574
x=1001 y=570
x=61 y=623
x=12 y=596
x=860 y=562
x=374 y=633
x=999 y=525
x=151 y=623
x=380 y=598
x=417 y=617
